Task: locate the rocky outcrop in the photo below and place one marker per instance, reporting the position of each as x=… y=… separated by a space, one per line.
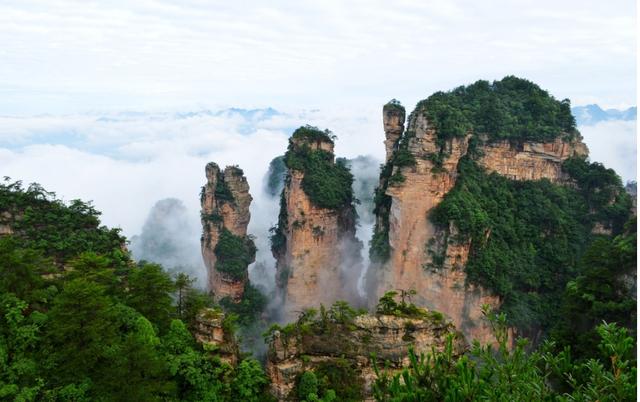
x=6 y=219
x=393 y=115
x=530 y=160
x=225 y=202
x=317 y=254
x=352 y=344
x=210 y=332
x=423 y=257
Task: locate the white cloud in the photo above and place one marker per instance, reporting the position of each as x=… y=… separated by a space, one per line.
x=613 y=143
x=63 y=56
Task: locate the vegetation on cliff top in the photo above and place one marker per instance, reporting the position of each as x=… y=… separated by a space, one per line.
x=510 y=109
x=394 y=105
x=327 y=183
x=527 y=237
x=61 y=231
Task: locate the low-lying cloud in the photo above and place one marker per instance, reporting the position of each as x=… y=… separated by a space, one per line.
x=127 y=162
x=613 y=143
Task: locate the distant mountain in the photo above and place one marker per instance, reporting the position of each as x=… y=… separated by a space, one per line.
x=592 y=114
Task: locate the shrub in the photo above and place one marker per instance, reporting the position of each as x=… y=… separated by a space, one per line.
x=327 y=184
x=234 y=254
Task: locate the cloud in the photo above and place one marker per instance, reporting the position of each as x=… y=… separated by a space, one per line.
x=126 y=162
x=613 y=143
x=58 y=56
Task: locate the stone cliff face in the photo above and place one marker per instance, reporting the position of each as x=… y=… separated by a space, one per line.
x=393 y=116
x=530 y=160
x=388 y=336
x=414 y=241
x=225 y=202
x=211 y=334
x=6 y=220
x=319 y=254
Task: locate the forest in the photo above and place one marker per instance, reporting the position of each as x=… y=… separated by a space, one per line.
x=82 y=321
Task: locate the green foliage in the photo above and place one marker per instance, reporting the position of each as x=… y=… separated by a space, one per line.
x=327 y=184
x=512 y=108
x=379 y=248
x=307 y=385
x=602 y=191
x=60 y=231
x=341 y=377
x=514 y=375
x=600 y=293
x=339 y=317
x=150 y=293
x=19 y=338
x=249 y=308
x=387 y=305
x=526 y=236
x=222 y=192
x=250 y=381
x=234 y=254
x=313 y=134
x=21 y=269
x=390 y=175
x=394 y=105
x=101 y=327
x=277 y=237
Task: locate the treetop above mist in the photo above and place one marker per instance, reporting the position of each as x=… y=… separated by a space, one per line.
x=510 y=109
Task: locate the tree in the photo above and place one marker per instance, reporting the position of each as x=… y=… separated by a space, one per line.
x=150 y=290
x=183 y=284
x=81 y=331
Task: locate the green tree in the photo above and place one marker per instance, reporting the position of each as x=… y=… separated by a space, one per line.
x=150 y=293
x=80 y=331
x=20 y=378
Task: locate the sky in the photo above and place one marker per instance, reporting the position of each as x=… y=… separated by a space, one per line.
x=124 y=102
x=78 y=56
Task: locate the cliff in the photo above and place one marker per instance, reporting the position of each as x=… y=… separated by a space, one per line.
x=211 y=333
x=341 y=349
x=408 y=250
x=227 y=250
x=314 y=243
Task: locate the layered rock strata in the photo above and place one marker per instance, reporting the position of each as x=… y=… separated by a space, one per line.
x=388 y=337
x=225 y=202
x=211 y=334
x=412 y=237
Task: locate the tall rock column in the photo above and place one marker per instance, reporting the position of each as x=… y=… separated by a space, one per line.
x=408 y=250
x=393 y=115
x=314 y=242
x=227 y=250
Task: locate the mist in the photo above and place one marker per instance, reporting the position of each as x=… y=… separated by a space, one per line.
x=169 y=238
x=141 y=169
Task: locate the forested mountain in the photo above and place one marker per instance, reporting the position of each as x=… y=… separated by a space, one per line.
x=502 y=267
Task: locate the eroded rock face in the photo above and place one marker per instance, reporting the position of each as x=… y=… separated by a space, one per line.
x=393 y=115
x=389 y=337
x=413 y=238
x=320 y=249
x=530 y=160
x=6 y=220
x=225 y=202
x=210 y=333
